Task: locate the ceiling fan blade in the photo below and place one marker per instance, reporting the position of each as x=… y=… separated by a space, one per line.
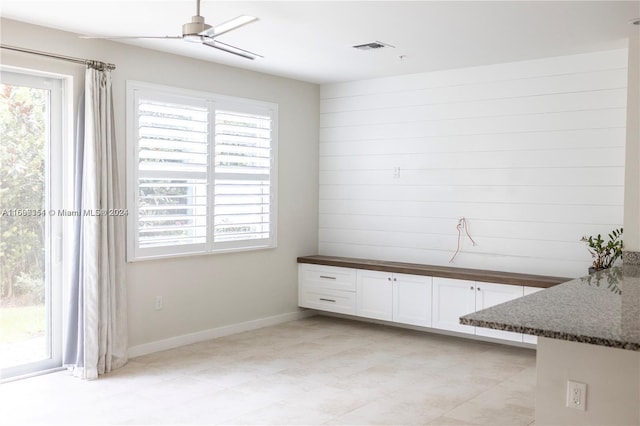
x=225 y=27
x=229 y=46
x=127 y=37
x=232 y=49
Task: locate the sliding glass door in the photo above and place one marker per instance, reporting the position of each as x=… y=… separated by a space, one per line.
x=30 y=227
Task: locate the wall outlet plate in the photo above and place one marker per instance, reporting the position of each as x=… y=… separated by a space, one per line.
x=576 y=395
x=159 y=303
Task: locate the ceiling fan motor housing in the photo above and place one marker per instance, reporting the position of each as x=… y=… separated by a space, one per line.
x=195 y=27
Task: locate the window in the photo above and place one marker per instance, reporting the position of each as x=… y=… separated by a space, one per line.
x=201 y=174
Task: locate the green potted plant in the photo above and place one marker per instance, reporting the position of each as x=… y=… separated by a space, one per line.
x=604 y=255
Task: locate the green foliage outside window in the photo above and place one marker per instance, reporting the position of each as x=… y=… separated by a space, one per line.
x=22 y=149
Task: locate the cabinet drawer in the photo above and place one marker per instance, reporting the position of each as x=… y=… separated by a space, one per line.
x=339 y=301
x=328 y=277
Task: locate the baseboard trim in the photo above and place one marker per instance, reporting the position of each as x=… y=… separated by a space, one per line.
x=214 y=333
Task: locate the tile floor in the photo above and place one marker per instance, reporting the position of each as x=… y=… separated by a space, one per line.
x=315 y=371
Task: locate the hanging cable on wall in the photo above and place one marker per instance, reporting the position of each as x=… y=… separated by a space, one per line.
x=462 y=224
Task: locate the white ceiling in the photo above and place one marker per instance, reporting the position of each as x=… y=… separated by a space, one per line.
x=311 y=40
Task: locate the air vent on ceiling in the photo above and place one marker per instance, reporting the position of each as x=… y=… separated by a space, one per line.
x=372 y=45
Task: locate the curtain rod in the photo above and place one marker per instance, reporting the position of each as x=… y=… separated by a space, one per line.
x=88 y=62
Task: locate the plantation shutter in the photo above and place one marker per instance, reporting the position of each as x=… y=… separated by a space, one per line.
x=201 y=174
x=243 y=171
x=172 y=173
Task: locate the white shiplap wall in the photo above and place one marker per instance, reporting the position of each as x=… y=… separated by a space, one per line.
x=530 y=153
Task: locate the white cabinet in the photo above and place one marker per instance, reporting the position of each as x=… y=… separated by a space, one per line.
x=328 y=288
x=374 y=295
x=407 y=299
x=528 y=338
x=490 y=294
x=451 y=300
x=394 y=297
x=412 y=299
x=455 y=298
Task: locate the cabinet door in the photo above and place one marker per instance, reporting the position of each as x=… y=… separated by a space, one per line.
x=528 y=338
x=451 y=300
x=374 y=295
x=488 y=295
x=412 y=299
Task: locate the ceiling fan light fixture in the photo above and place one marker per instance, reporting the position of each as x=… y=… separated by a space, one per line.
x=192 y=38
x=196 y=26
x=197 y=31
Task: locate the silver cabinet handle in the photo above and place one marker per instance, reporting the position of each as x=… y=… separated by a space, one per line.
x=327 y=300
x=478 y=288
x=326 y=277
x=471 y=288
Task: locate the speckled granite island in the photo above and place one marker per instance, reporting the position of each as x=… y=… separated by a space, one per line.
x=589 y=332
x=601 y=309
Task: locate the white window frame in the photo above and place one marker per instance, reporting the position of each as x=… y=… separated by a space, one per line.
x=134 y=90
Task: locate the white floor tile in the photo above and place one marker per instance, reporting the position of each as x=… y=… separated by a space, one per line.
x=319 y=370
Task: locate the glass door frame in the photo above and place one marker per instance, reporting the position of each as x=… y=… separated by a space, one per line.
x=56 y=191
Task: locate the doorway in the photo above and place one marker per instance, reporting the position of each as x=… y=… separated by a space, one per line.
x=31 y=191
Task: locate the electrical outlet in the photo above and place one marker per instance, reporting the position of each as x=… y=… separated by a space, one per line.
x=159 y=303
x=396 y=172
x=576 y=395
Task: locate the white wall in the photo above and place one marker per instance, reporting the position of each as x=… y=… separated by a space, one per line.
x=612 y=377
x=632 y=154
x=530 y=153
x=205 y=292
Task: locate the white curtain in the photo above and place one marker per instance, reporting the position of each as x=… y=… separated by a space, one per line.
x=96 y=339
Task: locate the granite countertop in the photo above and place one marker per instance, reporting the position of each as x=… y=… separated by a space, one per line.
x=601 y=309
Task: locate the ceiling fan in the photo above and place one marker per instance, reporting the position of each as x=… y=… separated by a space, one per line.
x=200 y=32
